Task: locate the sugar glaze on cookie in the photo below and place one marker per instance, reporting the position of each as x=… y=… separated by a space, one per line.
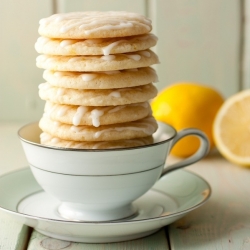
x=97 y=97
x=98 y=46
x=96 y=116
x=101 y=80
x=98 y=63
x=94 y=24
x=120 y=131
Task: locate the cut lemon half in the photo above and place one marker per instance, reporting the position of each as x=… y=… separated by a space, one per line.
x=231 y=128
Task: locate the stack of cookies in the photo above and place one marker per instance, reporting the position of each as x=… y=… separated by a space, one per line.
x=98 y=80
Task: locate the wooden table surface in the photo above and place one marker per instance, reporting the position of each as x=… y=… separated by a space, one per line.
x=222 y=223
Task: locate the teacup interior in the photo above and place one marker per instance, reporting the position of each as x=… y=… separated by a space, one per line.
x=30 y=132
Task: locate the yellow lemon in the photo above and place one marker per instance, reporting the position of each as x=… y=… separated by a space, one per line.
x=184 y=105
x=231 y=129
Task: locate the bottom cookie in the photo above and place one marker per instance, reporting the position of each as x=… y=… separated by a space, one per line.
x=49 y=140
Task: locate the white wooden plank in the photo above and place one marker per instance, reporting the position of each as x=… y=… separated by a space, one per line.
x=19 y=76
x=223 y=222
x=198 y=41
x=156 y=241
x=137 y=6
x=13 y=236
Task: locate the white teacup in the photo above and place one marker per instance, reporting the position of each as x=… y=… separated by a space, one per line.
x=100 y=185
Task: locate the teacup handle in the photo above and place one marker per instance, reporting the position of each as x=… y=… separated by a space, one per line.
x=198 y=155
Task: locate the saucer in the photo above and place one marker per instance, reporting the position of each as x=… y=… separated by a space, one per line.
x=171 y=198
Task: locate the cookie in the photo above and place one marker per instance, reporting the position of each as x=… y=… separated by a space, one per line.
x=49 y=140
x=100 y=46
x=122 y=131
x=96 y=116
x=97 y=97
x=137 y=59
x=101 y=80
x=94 y=24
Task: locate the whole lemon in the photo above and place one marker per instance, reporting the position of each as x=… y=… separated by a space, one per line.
x=188 y=105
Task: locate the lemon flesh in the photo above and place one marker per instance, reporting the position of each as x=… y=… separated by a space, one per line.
x=231 y=128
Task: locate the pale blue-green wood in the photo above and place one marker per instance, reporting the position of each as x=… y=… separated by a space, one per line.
x=198 y=41
x=155 y=241
x=19 y=78
x=224 y=222
x=246 y=45
x=137 y=6
x=13 y=236
x=12 y=156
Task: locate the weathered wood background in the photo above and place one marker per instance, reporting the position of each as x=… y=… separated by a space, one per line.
x=199 y=41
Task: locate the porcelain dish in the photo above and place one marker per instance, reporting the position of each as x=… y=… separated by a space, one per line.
x=100 y=185
x=108 y=161
x=171 y=198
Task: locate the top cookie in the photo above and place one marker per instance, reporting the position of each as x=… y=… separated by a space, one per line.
x=94 y=24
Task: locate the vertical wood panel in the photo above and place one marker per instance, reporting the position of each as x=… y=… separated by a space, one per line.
x=198 y=41
x=12 y=154
x=19 y=76
x=137 y=6
x=246 y=48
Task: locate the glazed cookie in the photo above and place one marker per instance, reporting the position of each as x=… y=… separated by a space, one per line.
x=49 y=140
x=101 y=46
x=94 y=24
x=122 y=131
x=101 y=80
x=97 y=97
x=137 y=59
x=96 y=116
